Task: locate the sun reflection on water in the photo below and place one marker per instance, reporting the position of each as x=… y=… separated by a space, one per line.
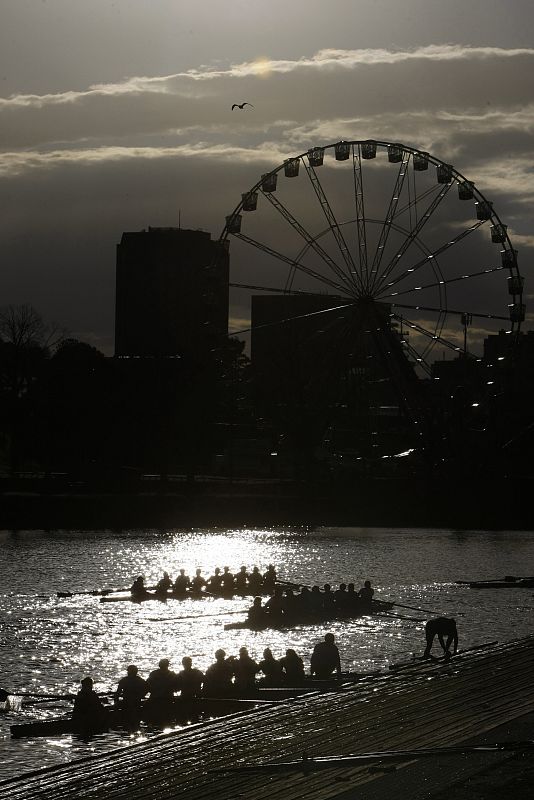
x=49 y=643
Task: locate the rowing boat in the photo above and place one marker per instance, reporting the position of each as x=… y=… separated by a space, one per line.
x=310 y=619
x=525 y=583
x=507 y=582
x=162 y=597
x=182 y=711
x=179 y=711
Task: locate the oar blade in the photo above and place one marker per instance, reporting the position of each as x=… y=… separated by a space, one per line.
x=11 y=703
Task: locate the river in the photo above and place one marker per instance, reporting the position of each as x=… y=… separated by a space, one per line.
x=48 y=643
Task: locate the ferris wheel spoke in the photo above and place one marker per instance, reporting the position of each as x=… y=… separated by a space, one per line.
x=308 y=238
x=360 y=211
x=293 y=318
x=443 y=282
x=419 y=357
x=278 y=290
x=390 y=216
x=436 y=337
x=292 y=263
x=433 y=190
x=352 y=273
x=413 y=234
x=404 y=381
x=424 y=261
x=452 y=311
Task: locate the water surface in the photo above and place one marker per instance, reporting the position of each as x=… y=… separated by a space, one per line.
x=48 y=643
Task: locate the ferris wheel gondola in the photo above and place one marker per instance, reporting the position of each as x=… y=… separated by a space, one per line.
x=386 y=248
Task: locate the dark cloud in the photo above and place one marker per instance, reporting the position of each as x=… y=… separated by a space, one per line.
x=79 y=167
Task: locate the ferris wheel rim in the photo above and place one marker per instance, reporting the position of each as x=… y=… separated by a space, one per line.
x=493 y=218
x=456 y=176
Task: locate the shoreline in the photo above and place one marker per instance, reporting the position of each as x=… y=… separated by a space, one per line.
x=496 y=504
x=432 y=706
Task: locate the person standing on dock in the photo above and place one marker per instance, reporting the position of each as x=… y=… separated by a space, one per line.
x=441 y=627
x=130 y=690
x=325 y=658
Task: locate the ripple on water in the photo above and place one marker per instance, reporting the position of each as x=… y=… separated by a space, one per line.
x=48 y=643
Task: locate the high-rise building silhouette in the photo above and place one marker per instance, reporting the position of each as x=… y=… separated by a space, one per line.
x=171 y=292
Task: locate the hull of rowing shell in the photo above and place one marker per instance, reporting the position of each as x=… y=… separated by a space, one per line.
x=181 y=711
x=502 y=585
x=162 y=598
x=158 y=715
x=376 y=607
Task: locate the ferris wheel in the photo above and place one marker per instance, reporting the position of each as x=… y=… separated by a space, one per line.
x=382 y=253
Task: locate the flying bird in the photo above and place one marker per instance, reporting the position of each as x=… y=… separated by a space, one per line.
x=241 y=105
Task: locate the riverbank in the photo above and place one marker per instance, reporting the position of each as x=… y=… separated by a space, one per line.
x=466 y=502
x=483 y=694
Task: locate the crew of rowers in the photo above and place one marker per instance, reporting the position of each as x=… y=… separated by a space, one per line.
x=227 y=677
x=287 y=605
x=223 y=583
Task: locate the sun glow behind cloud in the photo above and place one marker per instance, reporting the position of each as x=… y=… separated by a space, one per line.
x=471 y=106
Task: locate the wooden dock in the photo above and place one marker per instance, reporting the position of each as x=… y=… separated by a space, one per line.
x=427 y=704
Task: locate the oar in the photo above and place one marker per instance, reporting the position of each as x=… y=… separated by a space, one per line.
x=349 y=677
x=292 y=584
x=420 y=660
x=16 y=693
x=45 y=695
x=477 y=647
x=414 y=608
x=397 y=616
x=194 y=616
x=98 y=592
x=45 y=701
x=307 y=764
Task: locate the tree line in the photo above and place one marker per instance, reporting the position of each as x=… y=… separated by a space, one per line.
x=65 y=407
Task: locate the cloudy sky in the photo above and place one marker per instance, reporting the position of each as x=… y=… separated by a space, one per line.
x=116 y=115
